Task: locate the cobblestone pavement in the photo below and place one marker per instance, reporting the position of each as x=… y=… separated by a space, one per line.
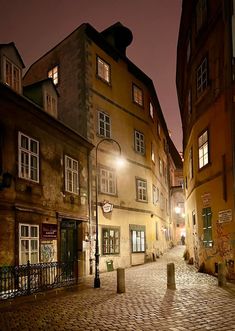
x=196 y=304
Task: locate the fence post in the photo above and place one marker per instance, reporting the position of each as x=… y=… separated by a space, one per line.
x=76 y=270
x=121 y=280
x=28 y=277
x=221 y=276
x=171 y=276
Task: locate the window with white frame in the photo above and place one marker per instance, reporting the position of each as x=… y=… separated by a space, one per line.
x=202 y=76
x=152 y=153
x=203 y=149
x=191 y=163
x=104 y=124
x=54 y=74
x=71 y=175
x=28 y=243
x=201 y=13
x=155 y=195
x=107 y=181
x=141 y=189
x=28 y=157
x=138 y=241
x=138 y=95
x=151 y=109
x=103 y=70
x=139 y=142
x=111 y=240
x=12 y=75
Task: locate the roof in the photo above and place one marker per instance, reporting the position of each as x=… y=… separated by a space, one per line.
x=11 y=44
x=175 y=155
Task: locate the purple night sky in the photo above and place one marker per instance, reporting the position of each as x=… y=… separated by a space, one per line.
x=36 y=26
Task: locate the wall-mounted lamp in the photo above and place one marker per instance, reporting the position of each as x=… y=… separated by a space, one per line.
x=5 y=181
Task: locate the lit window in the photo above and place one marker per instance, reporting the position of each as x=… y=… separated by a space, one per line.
x=111 y=241
x=139 y=142
x=138 y=240
x=107 y=181
x=28 y=243
x=12 y=75
x=203 y=149
x=160 y=166
x=53 y=73
x=201 y=13
x=104 y=125
x=151 y=109
x=155 y=195
x=207 y=227
x=138 y=95
x=71 y=175
x=103 y=70
x=141 y=189
x=152 y=153
x=28 y=155
x=202 y=77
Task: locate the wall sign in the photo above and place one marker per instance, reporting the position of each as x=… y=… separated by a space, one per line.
x=49 y=231
x=225 y=216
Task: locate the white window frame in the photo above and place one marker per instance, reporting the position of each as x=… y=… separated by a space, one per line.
x=103 y=70
x=29 y=239
x=138 y=95
x=203 y=149
x=202 y=76
x=107 y=181
x=155 y=195
x=10 y=79
x=141 y=190
x=71 y=175
x=139 y=142
x=27 y=157
x=54 y=74
x=104 y=124
x=138 y=241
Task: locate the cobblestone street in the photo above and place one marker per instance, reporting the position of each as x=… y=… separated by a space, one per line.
x=196 y=304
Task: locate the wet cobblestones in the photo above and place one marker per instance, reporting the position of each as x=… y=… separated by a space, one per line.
x=196 y=304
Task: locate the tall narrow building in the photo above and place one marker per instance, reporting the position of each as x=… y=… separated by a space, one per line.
x=205 y=84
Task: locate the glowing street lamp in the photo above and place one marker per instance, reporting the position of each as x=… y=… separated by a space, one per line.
x=120 y=162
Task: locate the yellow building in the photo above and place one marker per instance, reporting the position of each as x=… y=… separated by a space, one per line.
x=205 y=90
x=109 y=100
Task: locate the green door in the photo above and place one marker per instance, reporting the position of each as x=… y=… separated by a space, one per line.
x=68 y=241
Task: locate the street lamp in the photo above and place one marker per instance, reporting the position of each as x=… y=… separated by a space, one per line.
x=97 y=255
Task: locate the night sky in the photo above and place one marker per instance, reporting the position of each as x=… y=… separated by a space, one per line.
x=35 y=26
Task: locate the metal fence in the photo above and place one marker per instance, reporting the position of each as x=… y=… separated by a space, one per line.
x=30 y=278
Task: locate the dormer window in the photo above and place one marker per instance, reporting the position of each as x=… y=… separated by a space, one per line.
x=138 y=95
x=51 y=106
x=12 y=75
x=54 y=74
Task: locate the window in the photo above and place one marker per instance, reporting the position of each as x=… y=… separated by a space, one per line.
x=201 y=13
x=51 y=105
x=104 y=125
x=155 y=195
x=28 y=243
x=138 y=241
x=202 y=76
x=103 y=70
x=161 y=201
x=28 y=157
x=159 y=129
x=203 y=149
x=111 y=241
x=139 y=142
x=191 y=163
x=141 y=188
x=138 y=95
x=152 y=153
x=71 y=175
x=54 y=74
x=12 y=75
x=107 y=181
x=160 y=166
x=151 y=109
x=207 y=227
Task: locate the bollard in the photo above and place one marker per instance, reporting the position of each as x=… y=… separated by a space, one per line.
x=121 y=280
x=171 y=276
x=221 y=276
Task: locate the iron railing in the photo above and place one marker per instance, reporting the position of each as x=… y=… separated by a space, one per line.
x=30 y=278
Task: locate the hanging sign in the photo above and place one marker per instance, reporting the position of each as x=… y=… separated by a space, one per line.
x=107 y=207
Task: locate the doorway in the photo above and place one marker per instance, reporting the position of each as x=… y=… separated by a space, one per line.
x=69 y=240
